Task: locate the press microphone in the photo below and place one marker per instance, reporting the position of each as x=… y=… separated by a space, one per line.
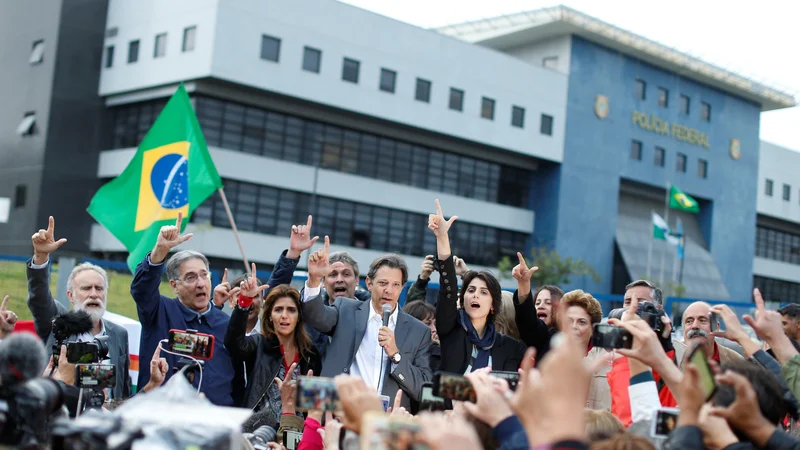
x=22 y=358
x=73 y=323
x=387 y=311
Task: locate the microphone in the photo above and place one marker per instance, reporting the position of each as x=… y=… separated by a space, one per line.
x=73 y=323
x=22 y=358
x=387 y=311
x=263 y=418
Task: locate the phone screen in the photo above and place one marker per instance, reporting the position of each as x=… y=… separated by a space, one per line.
x=196 y=345
x=665 y=420
x=511 y=377
x=430 y=402
x=82 y=352
x=714 y=322
x=96 y=376
x=699 y=359
x=316 y=393
x=291 y=438
x=453 y=387
x=611 y=337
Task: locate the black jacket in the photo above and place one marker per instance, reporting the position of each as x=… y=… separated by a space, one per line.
x=263 y=358
x=456 y=348
x=532 y=330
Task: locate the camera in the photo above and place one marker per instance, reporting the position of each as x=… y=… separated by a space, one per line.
x=25 y=411
x=611 y=337
x=648 y=311
x=261 y=436
x=88 y=352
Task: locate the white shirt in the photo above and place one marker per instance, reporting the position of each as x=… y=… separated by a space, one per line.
x=370 y=357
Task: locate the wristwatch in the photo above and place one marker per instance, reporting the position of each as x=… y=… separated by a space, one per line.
x=395 y=358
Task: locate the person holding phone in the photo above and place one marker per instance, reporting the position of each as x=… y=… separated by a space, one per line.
x=698 y=329
x=465 y=322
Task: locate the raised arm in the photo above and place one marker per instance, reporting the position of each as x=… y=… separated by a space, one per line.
x=238 y=344
x=446 y=309
x=533 y=331
x=316 y=314
x=299 y=241
x=41 y=303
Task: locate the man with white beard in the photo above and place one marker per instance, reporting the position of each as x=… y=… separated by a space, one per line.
x=87 y=286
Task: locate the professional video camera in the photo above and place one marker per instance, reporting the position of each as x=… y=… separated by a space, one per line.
x=68 y=328
x=648 y=312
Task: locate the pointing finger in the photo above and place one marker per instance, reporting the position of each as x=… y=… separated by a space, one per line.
x=439 y=208
x=398 y=399
x=759 y=300
x=51 y=225
x=308 y=223
x=225 y=275
x=327 y=245
x=179 y=221
x=157 y=353
x=290 y=372
x=522 y=261
x=253 y=271
x=5 y=302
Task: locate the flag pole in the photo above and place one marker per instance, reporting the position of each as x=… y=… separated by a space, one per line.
x=235 y=231
x=664 y=249
x=650 y=246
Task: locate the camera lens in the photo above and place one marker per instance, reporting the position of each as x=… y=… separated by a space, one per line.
x=43 y=394
x=265 y=433
x=102 y=347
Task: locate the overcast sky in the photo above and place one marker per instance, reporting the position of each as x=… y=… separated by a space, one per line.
x=757 y=39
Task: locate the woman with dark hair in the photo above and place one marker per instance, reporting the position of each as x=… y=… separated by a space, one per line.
x=283 y=346
x=465 y=322
x=535 y=314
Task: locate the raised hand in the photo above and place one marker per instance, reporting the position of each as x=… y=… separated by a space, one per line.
x=300 y=239
x=436 y=222
x=44 y=242
x=249 y=287
x=168 y=238
x=461 y=266
x=158 y=370
x=288 y=389
x=523 y=275
x=319 y=266
x=223 y=292
x=8 y=319
x=767 y=324
x=426 y=269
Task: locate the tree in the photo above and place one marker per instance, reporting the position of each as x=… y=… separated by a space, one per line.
x=553 y=269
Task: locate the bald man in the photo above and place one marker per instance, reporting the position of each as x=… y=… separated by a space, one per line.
x=697 y=331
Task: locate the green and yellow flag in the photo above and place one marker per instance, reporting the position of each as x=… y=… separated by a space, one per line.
x=679 y=200
x=172 y=172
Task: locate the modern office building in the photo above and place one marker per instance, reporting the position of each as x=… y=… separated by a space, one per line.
x=548 y=128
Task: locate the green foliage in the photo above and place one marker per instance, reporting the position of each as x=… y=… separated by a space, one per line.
x=672 y=289
x=553 y=269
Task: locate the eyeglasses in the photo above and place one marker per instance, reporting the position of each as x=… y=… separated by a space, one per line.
x=192 y=278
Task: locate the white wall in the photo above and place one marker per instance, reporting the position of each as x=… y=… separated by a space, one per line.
x=770 y=268
x=230 y=50
x=782 y=166
x=534 y=53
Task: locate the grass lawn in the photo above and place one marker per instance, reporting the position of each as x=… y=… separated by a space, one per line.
x=14 y=282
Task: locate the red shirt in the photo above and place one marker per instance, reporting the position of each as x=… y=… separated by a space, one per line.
x=283 y=360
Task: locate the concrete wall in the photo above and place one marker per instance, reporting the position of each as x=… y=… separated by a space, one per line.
x=780 y=165
x=560 y=47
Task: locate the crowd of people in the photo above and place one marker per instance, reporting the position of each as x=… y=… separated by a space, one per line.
x=559 y=385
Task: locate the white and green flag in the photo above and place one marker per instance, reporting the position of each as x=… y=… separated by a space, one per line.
x=662 y=231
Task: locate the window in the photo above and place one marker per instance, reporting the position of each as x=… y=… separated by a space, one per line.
x=350 y=69
x=640 y=89
x=663 y=97
x=28 y=125
x=702 y=168
x=659 y=156
x=680 y=163
x=133 y=51
x=189 y=34
x=685 y=103
x=160 y=49
x=636 y=150
x=778 y=245
x=109 y=56
x=312 y=59
x=388 y=78
x=550 y=62
x=20 y=194
x=423 y=91
x=487 y=108
x=456 y=99
x=517 y=116
x=777 y=290
x=37 y=52
x=705 y=112
x=768 y=188
x=546 y=125
x=270 y=48
x=787 y=192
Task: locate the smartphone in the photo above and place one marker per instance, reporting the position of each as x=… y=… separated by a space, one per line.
x=714 y=322
x=699 y=359
x=385 y=432
x=665 y=420
x=316 y=393
x=430 y=402
x=453 y=387
x=387 y=402
x=291 y=438
x=511 y=377
x=191 y=343
x=96 y=376
x=82 y=352
x=611 y=337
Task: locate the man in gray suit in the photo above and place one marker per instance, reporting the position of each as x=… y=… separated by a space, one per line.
x=86 y=289
x=388 y=358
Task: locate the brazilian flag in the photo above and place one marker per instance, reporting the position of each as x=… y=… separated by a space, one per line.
x=679 y=200
x=172 y=172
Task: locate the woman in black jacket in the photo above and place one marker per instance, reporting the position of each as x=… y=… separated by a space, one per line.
x=467 y=334
x=281 y=344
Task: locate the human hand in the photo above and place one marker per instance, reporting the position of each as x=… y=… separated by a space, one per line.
x=523 y=275
x=492 y=406
x=461 y=266
x=386 y=339
x=330 y=434
x=249 y=287
x=717 y=434
x=767 y=324
x=744 y=414
x=288 y=389
x=301 y=239
x=8 y=319
x=426 y=269
x=168 y=238
x=442 y=433
x=356 y=399
x=44 y=242
x=437 y=224
x=319 y=266
x=397 y=409
x=223 y=292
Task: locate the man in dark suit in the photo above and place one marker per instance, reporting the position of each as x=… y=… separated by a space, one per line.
x=388 y=358
x=87 y=286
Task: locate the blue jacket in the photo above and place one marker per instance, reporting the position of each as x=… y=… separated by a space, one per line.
x=159 y=314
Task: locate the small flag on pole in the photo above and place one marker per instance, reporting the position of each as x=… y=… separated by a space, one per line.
x=680 y=201
x=662 y=231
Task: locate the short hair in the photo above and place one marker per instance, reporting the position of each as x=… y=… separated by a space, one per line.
x=344 y=257
x=655 y=293
x=419 y=309
x=767 y=387
x=624 y=441
x=505 y=320
x=174 y=263
x=555 y=292
x=82 y=267
x=602 y=425
x=392 y=261
x=792 y=310
x=585 y=301
x=491 y=283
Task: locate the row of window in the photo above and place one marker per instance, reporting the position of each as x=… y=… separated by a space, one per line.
x=777 y=290
x=259 y=131
x=787 y=190
x=777 y=245
x=659 y=159
x=684 y=103
x=268 y=210
x=312 y=62
x=159 y=47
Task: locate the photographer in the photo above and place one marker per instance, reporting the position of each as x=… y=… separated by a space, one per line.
x=87 y=287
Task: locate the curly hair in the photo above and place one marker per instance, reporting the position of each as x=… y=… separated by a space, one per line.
x=585 y=301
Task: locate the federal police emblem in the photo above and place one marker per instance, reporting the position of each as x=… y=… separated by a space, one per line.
x=601 y=106
x=736 y=149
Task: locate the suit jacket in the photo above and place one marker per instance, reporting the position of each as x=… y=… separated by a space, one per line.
x=44 y=308
x=413 y=338
x=725 y=354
